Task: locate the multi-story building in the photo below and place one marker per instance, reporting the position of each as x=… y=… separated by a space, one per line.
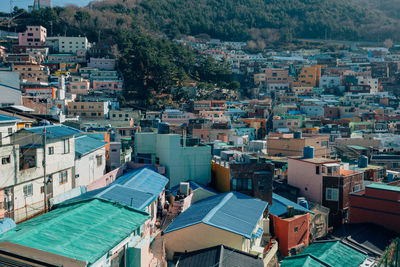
x=93 y=110
x=78 y=85
x=378 y=204
x=323 y=181
x=112 y=85
x=24 y=194
x=64 y=44
x=183 y=159
x=308 y=76
x=248 y=177
x=32 y=73
x=102 y=63
x=33 y=36
x=174 y=116
x=293 y=144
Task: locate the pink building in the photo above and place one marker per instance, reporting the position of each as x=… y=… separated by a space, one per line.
x=176 y=117
x=114 y=85
x=33 y=36
x=307 y=175
x=102 y=63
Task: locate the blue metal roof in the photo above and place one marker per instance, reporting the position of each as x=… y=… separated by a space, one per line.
x=85 y=144
x=193 y=185
x=53 y=131
x=280 y=204
x=6 y=224
x=144 y=179
x=233 y=212
x=128 y=196
x=5 y=118
x=121 y=194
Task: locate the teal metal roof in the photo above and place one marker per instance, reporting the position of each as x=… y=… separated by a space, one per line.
x=384 y=187
x=84 y=230
x=5 y=118
x=233 y=212
x=327 y=253
x=53 y=131
x=85 y=144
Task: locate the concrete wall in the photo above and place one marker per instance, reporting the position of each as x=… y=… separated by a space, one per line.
x=201 y=236
x=303 y=175
x=88 y=169
x=9 y=88
x=288 y=237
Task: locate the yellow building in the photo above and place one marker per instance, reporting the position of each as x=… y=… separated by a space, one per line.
x=308 y=77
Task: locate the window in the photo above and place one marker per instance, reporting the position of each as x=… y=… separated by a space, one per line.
x=9 y=130
x=5 y=160
x=99 y=159
x=63 y=177
x=332 y=194
x=28 y=190
x=317 y=171
x=51 y=150
x=296 y=229
x=66 y=146
x=356 y=188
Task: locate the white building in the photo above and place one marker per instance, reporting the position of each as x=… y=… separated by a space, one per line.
x=90 y=160
x=72 y=45
x=25 y=196
x=329 y=81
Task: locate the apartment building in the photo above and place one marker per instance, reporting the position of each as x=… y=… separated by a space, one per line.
x=64 y=44
x=33 y=36
x=92 y=110
x=293 y=144
x=32 y=73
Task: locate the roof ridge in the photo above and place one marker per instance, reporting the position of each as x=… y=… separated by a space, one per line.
x=212 y=212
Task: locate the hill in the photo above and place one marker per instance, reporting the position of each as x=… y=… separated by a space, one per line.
x=270 y=20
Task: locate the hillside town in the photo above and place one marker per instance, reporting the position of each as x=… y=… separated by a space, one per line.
x=301 y=167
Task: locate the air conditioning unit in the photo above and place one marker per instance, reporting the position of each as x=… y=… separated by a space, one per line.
x=184 y=188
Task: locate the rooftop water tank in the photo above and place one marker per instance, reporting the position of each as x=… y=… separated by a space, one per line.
x=304 y=203
x=297 y=135
x=308 y=152
x=163 y=128
x=362 y=162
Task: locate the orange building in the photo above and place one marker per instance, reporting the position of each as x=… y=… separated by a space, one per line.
x=291 y=225
x=308 y=77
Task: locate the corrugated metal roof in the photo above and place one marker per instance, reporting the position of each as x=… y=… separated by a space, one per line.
x=85 y=144
x=220 y=256
x=328 y=253
x=53 y=131
x=233 y=212
x=280 y=204
x=143 y=179
x=84 y=230
x=128 y=196
x=5 y=118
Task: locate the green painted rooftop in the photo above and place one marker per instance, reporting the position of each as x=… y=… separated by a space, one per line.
x=384 y=187
x=84 y=230
x=328 y=253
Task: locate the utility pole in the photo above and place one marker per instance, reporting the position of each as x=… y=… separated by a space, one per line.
x=44 y=170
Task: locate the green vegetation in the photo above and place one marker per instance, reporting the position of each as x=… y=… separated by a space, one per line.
x=259 y=20
x=150 y=65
